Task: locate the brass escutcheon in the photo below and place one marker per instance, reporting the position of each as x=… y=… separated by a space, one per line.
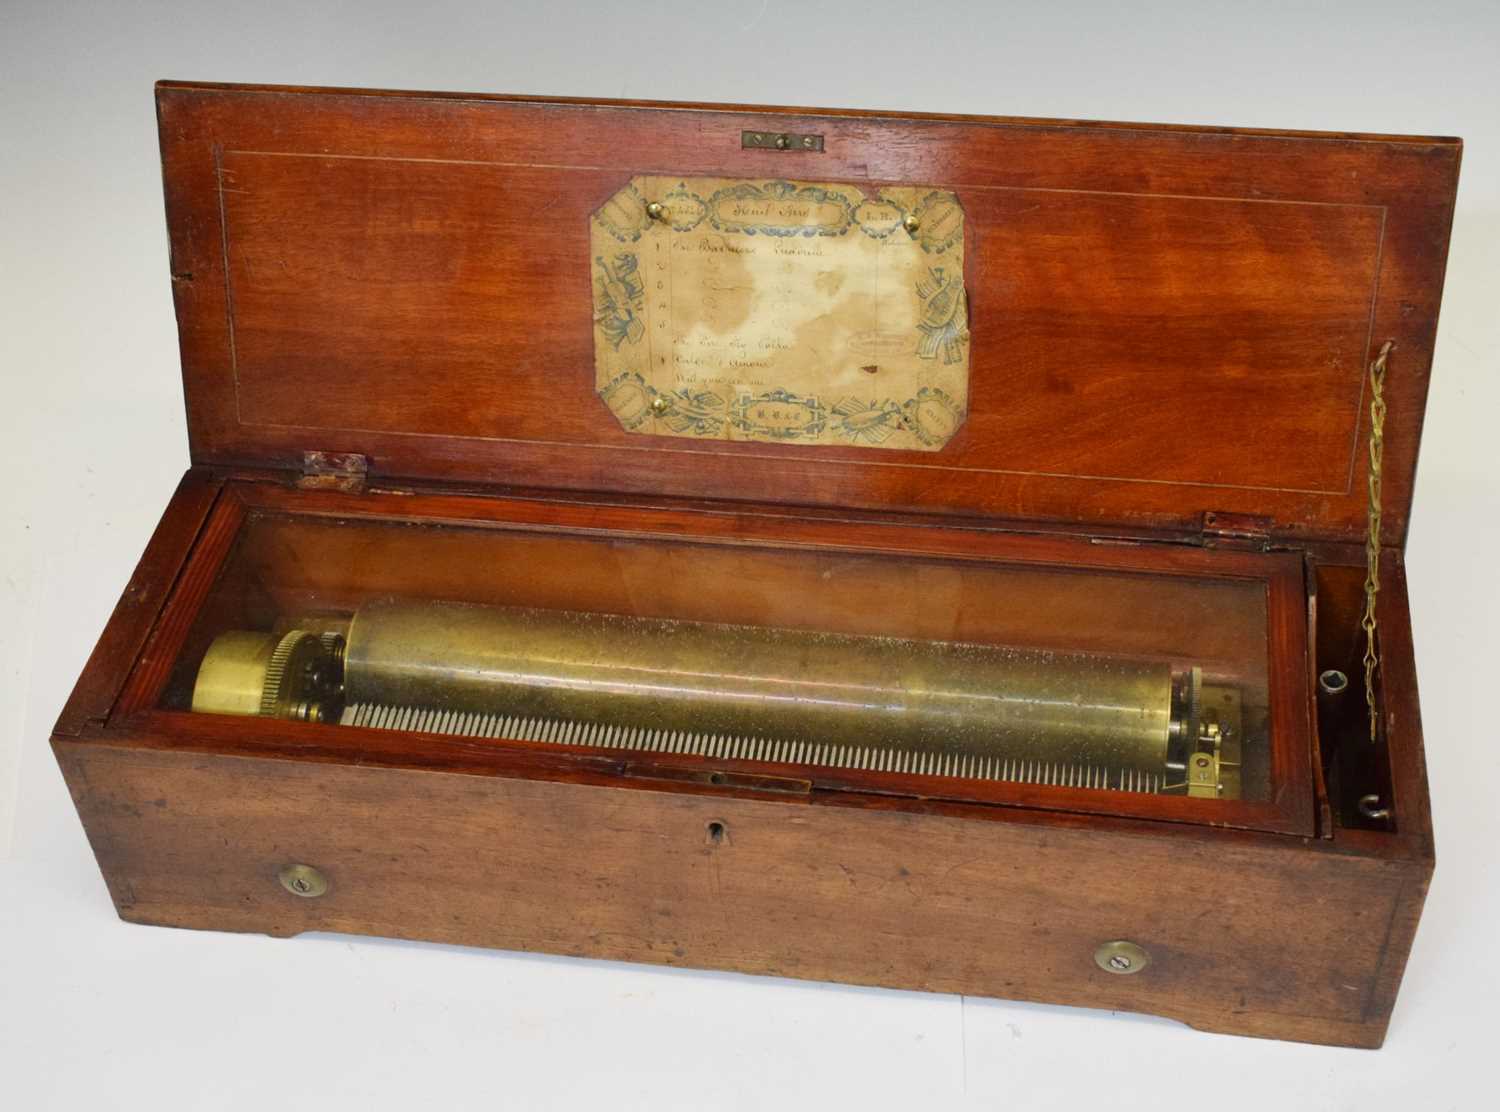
x=303 y=880
x=1121 y=957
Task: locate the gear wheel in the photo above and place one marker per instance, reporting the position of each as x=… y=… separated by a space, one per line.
x=299 y=676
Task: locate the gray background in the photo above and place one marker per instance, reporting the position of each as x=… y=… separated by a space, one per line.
x=96 y=1012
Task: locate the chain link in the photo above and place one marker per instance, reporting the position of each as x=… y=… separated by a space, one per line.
x=1372 y=540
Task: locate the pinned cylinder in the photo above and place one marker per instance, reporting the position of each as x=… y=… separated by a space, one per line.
x=656 y=674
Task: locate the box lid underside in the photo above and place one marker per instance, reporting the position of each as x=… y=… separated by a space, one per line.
x=1162 y=321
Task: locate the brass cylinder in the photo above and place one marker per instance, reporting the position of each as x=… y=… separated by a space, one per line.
x=748 y=680
x=232 y=677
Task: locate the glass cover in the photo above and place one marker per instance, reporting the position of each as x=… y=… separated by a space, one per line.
x=834 y=662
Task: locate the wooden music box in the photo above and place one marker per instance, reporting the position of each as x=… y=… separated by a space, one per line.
x=925 y=551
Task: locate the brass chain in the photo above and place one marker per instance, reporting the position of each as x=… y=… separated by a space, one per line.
x=1372 y=540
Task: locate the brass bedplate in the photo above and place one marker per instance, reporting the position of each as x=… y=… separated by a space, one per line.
x=743 y=692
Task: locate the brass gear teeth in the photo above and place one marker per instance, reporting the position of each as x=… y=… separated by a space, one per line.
x=276 y=672
x=1195 y=708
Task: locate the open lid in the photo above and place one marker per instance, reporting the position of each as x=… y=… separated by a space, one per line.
x=1160 y=321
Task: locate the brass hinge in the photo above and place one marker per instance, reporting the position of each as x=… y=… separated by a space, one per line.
x=1235 y=531
x=333 y=471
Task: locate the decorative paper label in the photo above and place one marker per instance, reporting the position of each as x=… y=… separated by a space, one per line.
x=784 y=311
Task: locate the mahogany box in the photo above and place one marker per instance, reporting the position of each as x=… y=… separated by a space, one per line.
x=921 y=551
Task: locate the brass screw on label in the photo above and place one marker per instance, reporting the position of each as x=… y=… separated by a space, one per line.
x=303 y=880
x=660 y=405
x=911 y=224
x=1121 y=957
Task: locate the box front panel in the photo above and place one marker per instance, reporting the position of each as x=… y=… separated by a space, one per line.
x=1279 y=940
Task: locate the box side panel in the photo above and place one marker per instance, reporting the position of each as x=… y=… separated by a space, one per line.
x=1261 y=936
x=140 y=603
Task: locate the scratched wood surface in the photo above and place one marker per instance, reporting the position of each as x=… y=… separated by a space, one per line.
x=463 y=841
x=1164 y=321
x=1256 y=939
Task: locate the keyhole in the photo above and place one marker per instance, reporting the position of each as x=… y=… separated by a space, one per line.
x=716 y=832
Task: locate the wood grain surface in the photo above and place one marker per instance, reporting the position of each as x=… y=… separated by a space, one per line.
x=1164 y=321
